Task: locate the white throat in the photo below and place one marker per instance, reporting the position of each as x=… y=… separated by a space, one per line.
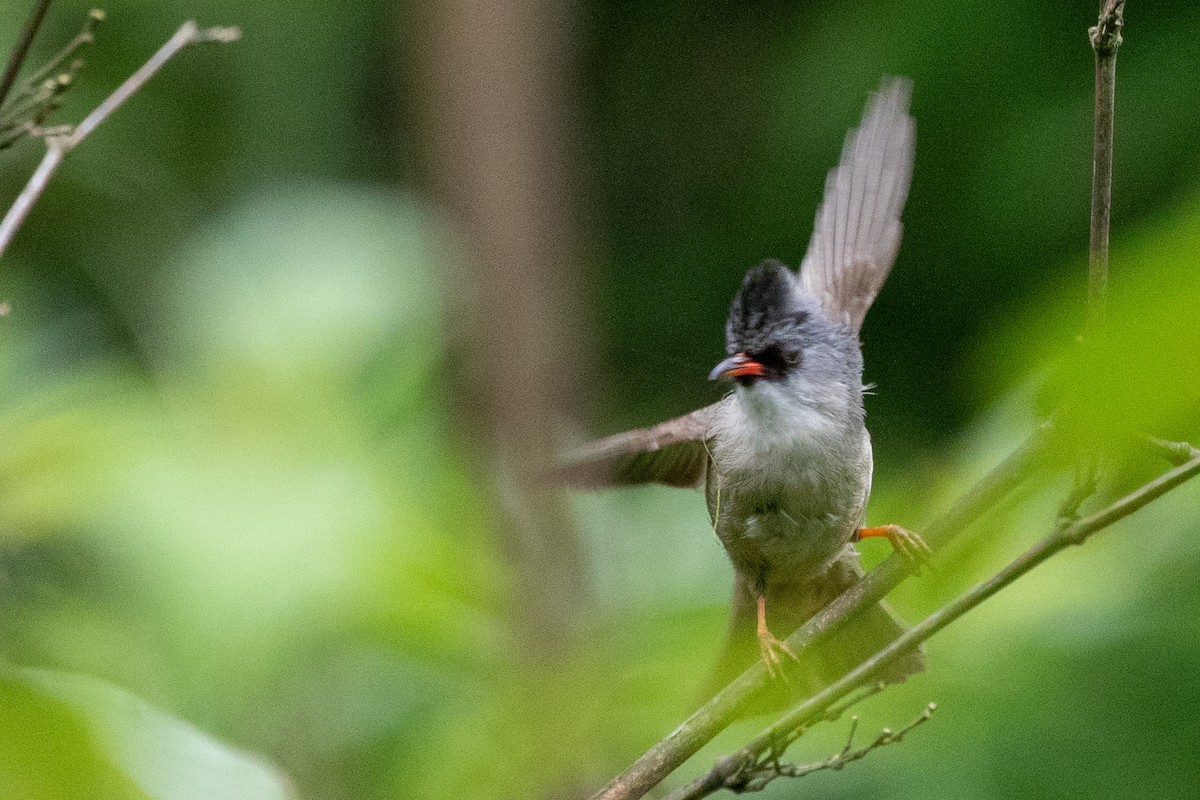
x=785 y=421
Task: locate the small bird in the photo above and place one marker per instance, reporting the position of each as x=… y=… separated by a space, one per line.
x=785 y=458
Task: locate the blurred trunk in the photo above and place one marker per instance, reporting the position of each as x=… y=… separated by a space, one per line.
x=498 y=84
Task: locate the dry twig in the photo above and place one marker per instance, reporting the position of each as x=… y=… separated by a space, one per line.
x=39 y=95
x=59 y=143
x=755 y=777
x=1106 y=40
x=21 y=49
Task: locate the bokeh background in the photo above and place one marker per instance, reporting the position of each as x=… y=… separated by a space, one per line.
x=294 y=335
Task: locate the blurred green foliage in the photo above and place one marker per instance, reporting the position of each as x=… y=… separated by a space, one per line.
x=75 y=736
x=233 y=482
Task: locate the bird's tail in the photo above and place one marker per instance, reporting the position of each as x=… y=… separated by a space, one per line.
x=790 y=607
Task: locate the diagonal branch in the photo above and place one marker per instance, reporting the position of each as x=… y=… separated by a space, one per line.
x=58 y=146
x=21 y=49
x=729 y=771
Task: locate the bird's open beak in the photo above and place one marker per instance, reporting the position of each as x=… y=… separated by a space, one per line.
x=736 y=367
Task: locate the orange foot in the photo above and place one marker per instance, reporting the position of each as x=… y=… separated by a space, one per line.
x=771 y=648
x=909 y=545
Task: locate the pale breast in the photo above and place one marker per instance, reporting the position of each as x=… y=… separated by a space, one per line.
x=786 y=500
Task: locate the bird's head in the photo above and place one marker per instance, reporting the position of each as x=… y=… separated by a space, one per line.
x=768 y=327
x=782 y=345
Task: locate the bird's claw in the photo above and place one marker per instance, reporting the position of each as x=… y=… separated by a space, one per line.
x=772 y=651
x=908 y=545
x=911 y=547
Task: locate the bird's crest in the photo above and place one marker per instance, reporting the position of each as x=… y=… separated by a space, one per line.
x=766 y=301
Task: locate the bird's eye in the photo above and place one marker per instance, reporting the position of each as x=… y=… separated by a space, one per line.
x=778 y=359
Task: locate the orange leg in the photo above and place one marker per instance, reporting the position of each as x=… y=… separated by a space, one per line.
x=769 y=646
x=909 y=545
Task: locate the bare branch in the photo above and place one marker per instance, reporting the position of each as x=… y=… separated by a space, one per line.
x=85 y=36
x=188 y=34
x=57 y=146
x=1106 y=40
x=35 y=97
x=21 y=49
x=33 y=190
x=765 y=773
x=767 y=742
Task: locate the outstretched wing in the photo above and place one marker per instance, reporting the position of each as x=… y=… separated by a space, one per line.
x=857 y=230
x=673 y=453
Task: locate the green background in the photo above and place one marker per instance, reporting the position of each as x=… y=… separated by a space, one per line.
x=235 y=483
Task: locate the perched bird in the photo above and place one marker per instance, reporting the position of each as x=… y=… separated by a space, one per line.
x=785 y=458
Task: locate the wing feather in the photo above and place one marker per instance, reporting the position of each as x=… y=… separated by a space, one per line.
x=856 y=233
x=674 y=453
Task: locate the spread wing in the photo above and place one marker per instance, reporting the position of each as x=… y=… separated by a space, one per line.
x=673 y=453
x=857 y=230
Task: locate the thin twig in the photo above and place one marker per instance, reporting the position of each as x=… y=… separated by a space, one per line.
x=726 y=770
x=1105 y=37
x=1106 y=40
x=188 y=34
x=683 y=742
x=33 y=190
x=57 y=147
x=847 y=756
x=85 y=36
x=1174 y=452
x=833 y=714
x=21 y=49
x=754 y=777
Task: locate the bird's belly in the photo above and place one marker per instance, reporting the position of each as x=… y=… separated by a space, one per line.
x=784 y=534
x=776 y=547
x=786 y=499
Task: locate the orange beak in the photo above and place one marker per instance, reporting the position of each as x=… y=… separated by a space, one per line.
x=737 y=366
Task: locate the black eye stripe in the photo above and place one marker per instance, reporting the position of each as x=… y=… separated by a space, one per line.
x=773 y=357
x=777 y=359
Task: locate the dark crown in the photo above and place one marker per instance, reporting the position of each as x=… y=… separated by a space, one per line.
x=765 y=304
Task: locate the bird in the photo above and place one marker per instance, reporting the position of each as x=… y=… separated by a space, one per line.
x=785 y=458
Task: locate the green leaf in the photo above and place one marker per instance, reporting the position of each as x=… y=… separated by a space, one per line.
x=69 y=735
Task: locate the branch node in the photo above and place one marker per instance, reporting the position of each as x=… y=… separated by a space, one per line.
x=1083 y=488
x=47 y=133
x=224 y=35
x=1176 y=453
x=1105 y=36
